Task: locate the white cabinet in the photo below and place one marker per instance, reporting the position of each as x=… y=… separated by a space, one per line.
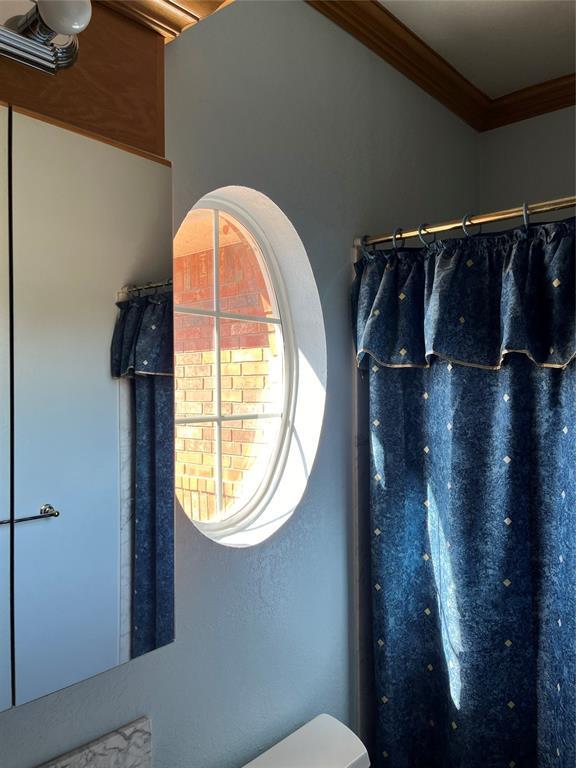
x=88 y=218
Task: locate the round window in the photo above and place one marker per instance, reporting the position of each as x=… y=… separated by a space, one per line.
x=234 y=388
x=245 y=441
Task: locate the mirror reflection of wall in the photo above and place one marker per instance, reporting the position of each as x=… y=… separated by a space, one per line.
x=102 y=220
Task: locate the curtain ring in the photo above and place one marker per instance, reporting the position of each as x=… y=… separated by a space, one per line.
x=526 y=215
x=421 y=229
x=397 y=233
x=467 y=219
x=366 y=251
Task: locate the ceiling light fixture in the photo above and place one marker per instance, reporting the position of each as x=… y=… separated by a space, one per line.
x=28 y=39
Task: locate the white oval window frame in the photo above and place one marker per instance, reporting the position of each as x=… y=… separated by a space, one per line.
x=305 y=365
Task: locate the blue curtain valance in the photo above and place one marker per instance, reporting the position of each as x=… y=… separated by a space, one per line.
x=469 y=300
x=143 y=337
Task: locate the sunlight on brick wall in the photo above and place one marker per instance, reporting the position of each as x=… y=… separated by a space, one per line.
x=251 y=360
x=251 y=380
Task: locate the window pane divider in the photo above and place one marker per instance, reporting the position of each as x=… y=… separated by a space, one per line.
x=217 y=356
x=187 y=420
x=226 y=315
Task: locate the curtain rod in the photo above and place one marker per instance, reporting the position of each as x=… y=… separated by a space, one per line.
x=146 y=286
x=484 y=218
x=127 y=290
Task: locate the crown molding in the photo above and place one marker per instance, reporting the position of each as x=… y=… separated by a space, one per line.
x=532 y=101
x=374 y=26
x=168 y=18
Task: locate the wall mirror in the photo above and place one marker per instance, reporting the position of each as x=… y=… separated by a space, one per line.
x=91 y=587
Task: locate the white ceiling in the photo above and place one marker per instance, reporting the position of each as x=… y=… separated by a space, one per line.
x=499 y=45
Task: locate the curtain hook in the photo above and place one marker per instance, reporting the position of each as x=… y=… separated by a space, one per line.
x=421 y=230
x=397 y=233
x=466 y=220
x=526 y=215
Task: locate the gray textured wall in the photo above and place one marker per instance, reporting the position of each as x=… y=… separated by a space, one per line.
x=273 y=96
x=534 y=160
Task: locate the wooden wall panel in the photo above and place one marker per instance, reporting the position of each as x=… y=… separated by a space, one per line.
x=115 y=90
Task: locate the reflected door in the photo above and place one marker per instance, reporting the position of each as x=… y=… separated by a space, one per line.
x=88 y=219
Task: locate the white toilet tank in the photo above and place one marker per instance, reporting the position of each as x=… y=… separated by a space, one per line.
x=322 y=743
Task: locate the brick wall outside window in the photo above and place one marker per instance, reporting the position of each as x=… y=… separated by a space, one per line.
x=251 y=379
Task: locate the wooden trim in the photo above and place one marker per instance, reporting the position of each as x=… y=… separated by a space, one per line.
x=115 y=89
x=92 y=135
x=168 y=18
x=370 y=23
x=532 y=101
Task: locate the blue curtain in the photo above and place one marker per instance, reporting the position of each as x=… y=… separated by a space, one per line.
x=142 y=349
x=468 y=346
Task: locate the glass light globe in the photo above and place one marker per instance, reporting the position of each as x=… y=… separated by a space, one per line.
x=65 y=17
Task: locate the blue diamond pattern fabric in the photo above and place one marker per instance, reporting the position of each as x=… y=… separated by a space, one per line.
x=468 y=346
